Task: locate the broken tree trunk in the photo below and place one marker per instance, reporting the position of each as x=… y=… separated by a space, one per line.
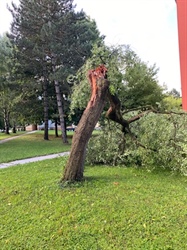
x=99 y=86
x=114 y=113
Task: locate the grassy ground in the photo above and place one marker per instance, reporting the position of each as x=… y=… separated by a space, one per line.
x=5 y=136
x=115 y=208
x=31 y=145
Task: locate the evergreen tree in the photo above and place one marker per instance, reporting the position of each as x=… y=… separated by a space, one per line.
x=9 y=91
x=53 y=41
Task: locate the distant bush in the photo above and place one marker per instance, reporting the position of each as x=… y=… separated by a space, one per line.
x=164 y=138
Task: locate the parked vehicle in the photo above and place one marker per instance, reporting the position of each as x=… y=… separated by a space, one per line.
x=42 y=126
x=71 y=128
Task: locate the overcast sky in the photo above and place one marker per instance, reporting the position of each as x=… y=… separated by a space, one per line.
x=149 y=26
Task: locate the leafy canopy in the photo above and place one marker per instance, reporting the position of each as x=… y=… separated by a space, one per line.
x=131 y=79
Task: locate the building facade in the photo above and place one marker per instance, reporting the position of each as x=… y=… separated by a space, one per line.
x=182 y=36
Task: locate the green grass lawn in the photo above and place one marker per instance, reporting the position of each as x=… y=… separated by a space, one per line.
x=31 y=145
x=114 y=209
x=5 y=136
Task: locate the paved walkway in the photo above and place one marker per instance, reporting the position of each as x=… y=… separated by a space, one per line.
x=28 y=160
x=16 y=136
x=34 y=159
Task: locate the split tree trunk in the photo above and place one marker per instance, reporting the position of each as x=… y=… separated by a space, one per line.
x=75 y=165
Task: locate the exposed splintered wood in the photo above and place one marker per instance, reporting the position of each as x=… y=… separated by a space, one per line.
x=99 y=89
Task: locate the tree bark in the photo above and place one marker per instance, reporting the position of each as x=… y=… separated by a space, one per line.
x=14 y=128
x=56 y=128
x=6 y=115
x=46 y=108
x=61 y=111
x=99 y=85
x=114 y=113
x=59 y=102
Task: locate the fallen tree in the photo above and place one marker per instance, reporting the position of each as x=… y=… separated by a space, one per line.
x=99 y=94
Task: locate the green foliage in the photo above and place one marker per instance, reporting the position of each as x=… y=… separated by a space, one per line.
x=134 y=81
x=164 y=138
x=100 y=54
x=51 y=41
x=167 y=134
x=9 y=89
x=108 y=147
x=115 y=208
x=172 y=103
x=141 y=84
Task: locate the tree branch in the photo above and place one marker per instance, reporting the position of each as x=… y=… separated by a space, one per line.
x=114 y=112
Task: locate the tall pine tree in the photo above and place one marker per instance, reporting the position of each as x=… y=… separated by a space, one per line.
x=53 y=41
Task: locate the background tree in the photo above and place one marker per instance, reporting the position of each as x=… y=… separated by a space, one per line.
x=9 y=90
x=31 y=100
x=30 y=49
x=53 y=41
x=140 y=80
x=172 y=103
x=1 y=122
x=175 y=93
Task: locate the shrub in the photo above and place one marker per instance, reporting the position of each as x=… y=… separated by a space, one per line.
x=161 y=143
x=167 y=135
x=111 y=147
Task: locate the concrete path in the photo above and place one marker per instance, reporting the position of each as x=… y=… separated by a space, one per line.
x=34 y=159
x=16 y=136
x=28 y=160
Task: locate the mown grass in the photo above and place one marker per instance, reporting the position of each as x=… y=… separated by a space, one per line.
x=5 y=136
x=114 y=208
x=30 y=145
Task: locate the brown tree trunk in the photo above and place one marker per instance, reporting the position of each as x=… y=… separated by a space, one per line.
x=75 y=165
x=14 y=128
x=59 y=102
x=114 y=113
x=6 y=115
x=46 y=108
x=61 y=111
x=45 y=103
x=56 y=128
